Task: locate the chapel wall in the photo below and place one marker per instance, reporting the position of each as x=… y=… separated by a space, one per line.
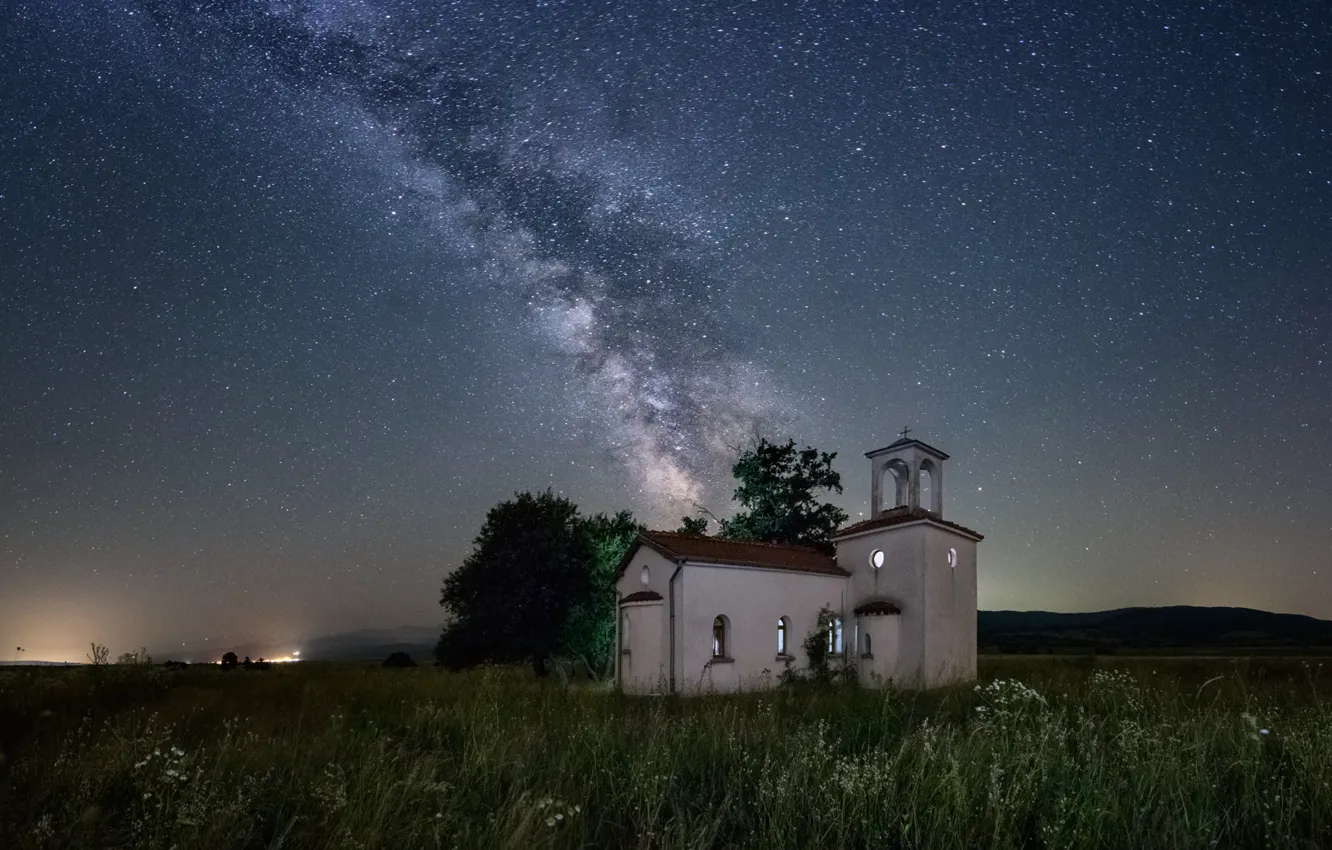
x=751 y=599
x=901 y=579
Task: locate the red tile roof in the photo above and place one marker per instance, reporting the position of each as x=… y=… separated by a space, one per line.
x=690 y=547
x=642 y=596
x=900 y=516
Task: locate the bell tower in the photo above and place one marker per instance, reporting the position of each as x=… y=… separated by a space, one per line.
x=906 y=474
x=913 y=573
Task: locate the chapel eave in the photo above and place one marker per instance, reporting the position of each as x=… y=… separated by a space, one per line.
x=905 y=516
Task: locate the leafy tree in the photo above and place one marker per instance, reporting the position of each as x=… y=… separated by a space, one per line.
x=229 y=660
x=589 y=627
x=777 y=490
x=696 y=525
x=510 y=598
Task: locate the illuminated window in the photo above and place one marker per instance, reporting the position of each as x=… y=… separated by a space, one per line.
x=782 y=632
x=952 y=558
x=644 y=575
x=876 y=558
x=835 y=636
x=719 y=636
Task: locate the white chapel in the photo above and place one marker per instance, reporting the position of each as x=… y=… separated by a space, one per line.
x=699 y=614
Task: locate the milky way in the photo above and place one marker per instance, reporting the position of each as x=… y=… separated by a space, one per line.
x=294 y=291
x=520 y=166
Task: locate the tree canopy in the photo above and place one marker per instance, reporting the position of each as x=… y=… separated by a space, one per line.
x=589 y=629
x=695 y=525
x=539 y=582
x=778 y=491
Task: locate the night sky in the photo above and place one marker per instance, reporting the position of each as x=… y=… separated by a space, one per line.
x=292 y=292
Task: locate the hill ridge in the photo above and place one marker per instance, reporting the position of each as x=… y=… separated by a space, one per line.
x=1167 y=625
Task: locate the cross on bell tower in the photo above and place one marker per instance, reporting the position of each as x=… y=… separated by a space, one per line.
x=907 y=474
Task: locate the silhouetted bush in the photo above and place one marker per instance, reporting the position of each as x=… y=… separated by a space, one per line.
x=399 y=659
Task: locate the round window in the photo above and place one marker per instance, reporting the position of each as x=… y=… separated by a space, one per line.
x=876 y=558
x=952 y=558
x=643 y=576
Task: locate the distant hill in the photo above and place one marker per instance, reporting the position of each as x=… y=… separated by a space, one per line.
x=361 y=645
x=374 y=644
x=1173 y=626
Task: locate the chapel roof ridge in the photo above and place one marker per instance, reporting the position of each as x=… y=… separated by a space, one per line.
x=698 y=548
x=686 y=535
x=909 y=441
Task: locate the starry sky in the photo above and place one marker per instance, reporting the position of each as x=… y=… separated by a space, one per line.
x=293 y=291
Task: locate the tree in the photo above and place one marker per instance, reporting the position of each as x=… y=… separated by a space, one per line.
x=229 y=660
x=589 y=626
x=777 y=490
x=100 y=655
x=510 y=597
x=695 y=525
x=140 y=658
x=399 y=659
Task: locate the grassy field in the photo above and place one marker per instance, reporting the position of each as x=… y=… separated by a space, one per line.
x=1043 y=752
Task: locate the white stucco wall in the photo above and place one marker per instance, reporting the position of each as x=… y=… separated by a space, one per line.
x=950 y=600
x=937 y=630
x=899 y=580
x=645 y=668
x=879 y=670
x=659 y=573
x=753 y=600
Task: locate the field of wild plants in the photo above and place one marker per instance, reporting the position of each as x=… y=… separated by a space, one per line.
x=1041 y=753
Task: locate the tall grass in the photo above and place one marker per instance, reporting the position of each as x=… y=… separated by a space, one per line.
x=1040 y=753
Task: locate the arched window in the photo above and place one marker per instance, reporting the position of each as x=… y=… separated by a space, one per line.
x=925 y=487
x=867 y=648
x=783 y=629
x=644 y=575
x=896 y=477
x=624 y=631
x=719 y=638
x=835 y=636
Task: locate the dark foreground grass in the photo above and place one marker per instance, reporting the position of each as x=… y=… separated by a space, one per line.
x=1045 y=752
